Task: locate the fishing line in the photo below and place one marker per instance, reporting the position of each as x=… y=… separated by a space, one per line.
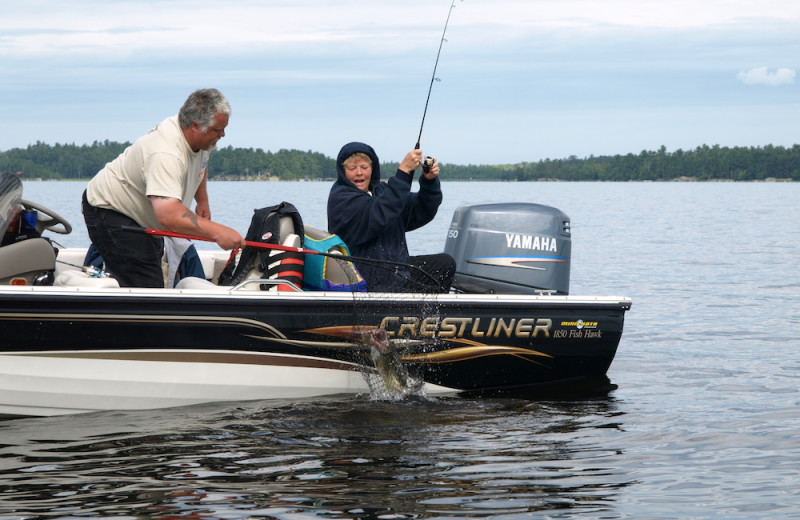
x=536 y=289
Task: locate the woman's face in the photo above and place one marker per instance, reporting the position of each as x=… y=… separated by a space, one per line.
x=359 y=172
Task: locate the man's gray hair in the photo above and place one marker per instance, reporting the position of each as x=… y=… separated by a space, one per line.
x=201 y=107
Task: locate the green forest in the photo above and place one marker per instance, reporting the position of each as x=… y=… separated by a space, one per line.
x=704 y=163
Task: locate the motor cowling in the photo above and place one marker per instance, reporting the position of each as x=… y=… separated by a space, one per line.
x=510 y=248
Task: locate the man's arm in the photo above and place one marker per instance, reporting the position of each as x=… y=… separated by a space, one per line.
x=173 y=216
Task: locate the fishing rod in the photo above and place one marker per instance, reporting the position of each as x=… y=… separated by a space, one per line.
x=280 y=247
x=426 y=164
x=90 y=270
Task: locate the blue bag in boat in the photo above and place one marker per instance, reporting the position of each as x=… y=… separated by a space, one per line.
x=323 y=273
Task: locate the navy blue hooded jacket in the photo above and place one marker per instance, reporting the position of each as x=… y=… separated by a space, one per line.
x=375 y=226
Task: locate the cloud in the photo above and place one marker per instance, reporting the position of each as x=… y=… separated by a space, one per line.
x=761 y=76
x=119 y=66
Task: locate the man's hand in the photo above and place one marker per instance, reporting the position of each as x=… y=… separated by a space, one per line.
x=203 y=210
x=229 y=238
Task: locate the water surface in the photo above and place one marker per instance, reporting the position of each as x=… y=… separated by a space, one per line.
x=704 y=421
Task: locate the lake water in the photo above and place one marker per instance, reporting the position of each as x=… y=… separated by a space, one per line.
x=704 y=422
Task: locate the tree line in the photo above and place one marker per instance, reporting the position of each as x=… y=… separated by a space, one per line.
x=70 y=161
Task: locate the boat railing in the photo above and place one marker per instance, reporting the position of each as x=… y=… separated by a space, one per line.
x=264 y=281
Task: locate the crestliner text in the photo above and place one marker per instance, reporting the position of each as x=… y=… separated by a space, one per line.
x=412 y=326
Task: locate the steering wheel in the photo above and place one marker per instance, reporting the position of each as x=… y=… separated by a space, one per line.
x=48 y=219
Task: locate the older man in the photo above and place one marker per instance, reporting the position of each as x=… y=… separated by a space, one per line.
x=152 y=185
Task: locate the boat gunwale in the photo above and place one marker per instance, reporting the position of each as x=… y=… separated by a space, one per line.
x=316 y=296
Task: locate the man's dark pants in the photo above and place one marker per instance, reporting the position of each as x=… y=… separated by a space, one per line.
x=133 y=258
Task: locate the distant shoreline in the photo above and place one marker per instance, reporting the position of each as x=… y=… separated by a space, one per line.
x=703 y=164
x=444 y=181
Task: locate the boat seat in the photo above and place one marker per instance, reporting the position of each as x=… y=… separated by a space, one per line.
x=25 y=260
x=291 y=240
x=252 y=284
x=75 y=278
x=193 y=282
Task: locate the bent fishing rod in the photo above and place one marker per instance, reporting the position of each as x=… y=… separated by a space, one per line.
x=433 y=78
x=280 y=247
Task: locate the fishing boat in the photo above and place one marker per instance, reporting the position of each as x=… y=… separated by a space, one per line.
x=72 y=341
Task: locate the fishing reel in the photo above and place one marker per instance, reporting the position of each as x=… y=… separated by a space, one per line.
x=427 y=164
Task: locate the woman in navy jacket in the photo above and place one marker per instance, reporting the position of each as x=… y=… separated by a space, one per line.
x=372 y=217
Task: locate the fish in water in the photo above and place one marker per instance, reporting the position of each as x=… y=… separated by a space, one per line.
x=387 y=361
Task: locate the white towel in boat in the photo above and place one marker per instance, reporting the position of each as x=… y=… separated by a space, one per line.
x=174 y=249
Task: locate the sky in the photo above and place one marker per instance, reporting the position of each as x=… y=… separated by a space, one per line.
x=516 y=81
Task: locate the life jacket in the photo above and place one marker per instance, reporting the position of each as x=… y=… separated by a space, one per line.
x=280 y=224
x=325 y=273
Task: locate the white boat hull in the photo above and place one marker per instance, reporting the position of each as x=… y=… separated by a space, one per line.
x=49 y=383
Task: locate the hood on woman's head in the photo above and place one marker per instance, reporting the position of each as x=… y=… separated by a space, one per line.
x=356 y=147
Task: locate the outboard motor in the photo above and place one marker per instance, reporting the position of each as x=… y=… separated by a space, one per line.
x=510 y=248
